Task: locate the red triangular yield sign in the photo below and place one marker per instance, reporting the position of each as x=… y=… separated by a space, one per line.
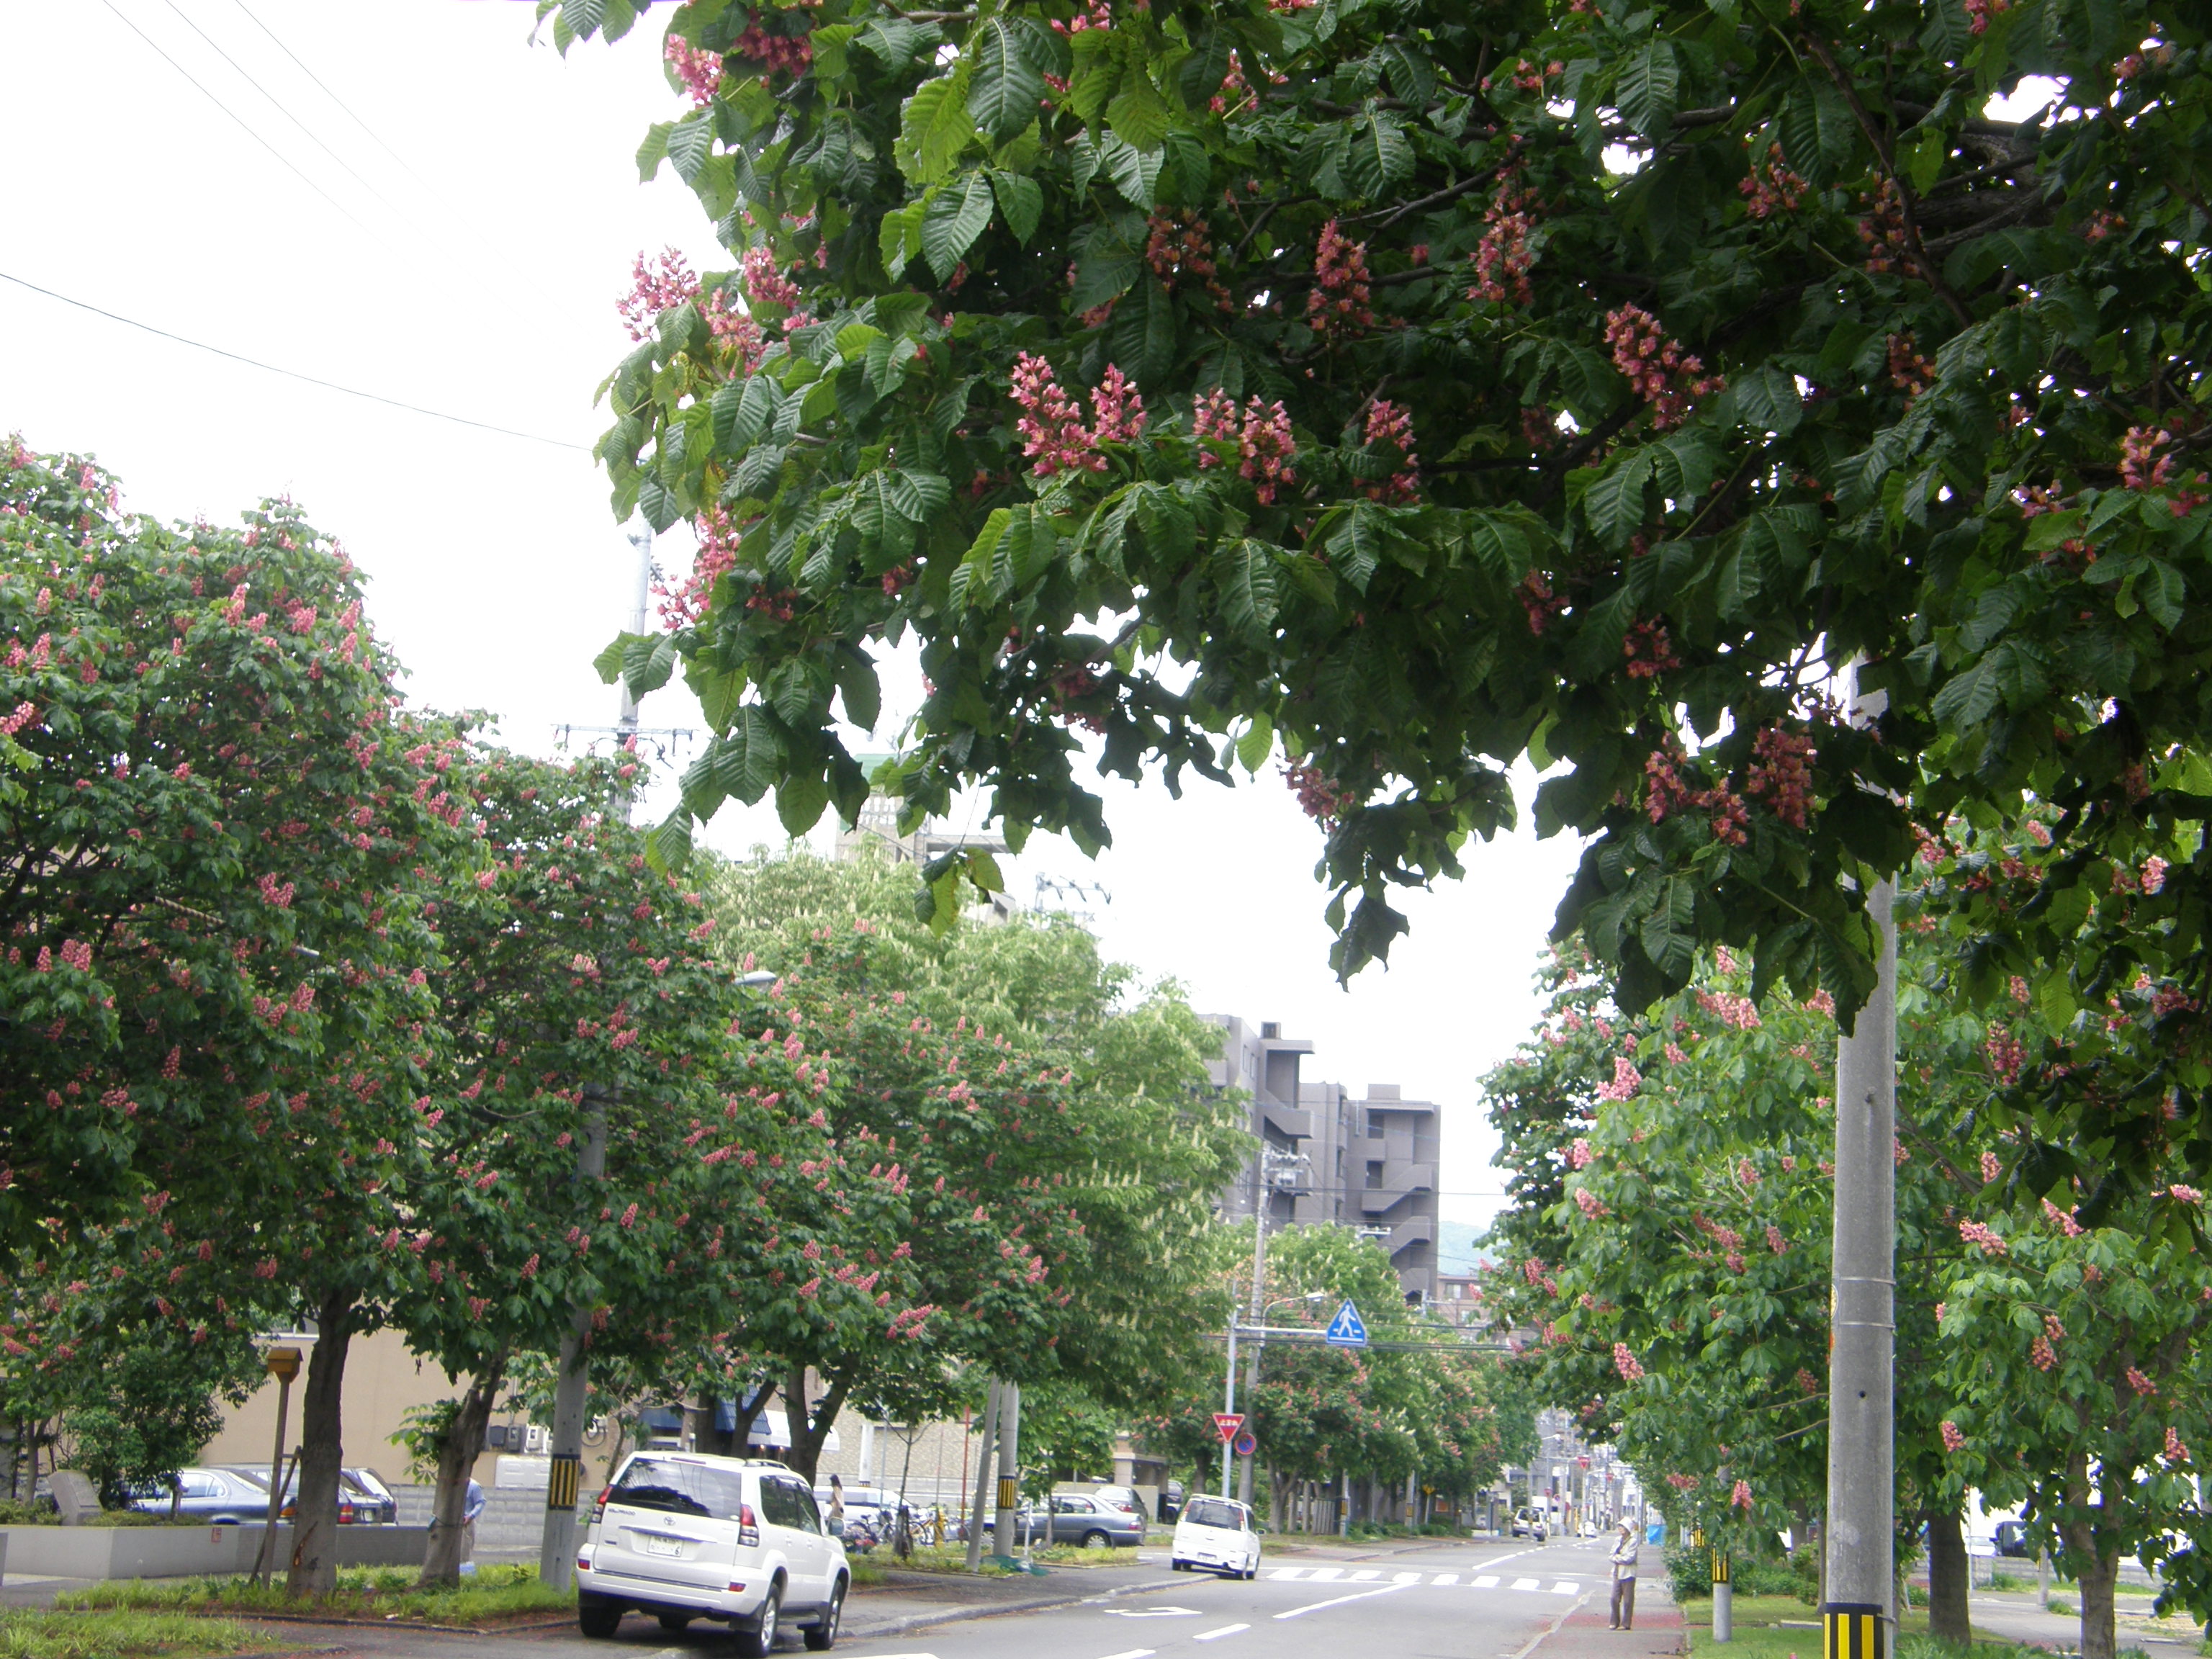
x=1225 y=1424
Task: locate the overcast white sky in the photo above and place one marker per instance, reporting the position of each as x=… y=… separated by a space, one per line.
x=461 y=245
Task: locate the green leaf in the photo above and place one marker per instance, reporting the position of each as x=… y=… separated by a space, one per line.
x=934 y=127
x=899 y=236
x=669 y=846
x=1246 y=572
x=1004 y=95
x=858 y=685
x=647 y=660
x=1614 y=501
x=1021 y=203
x=1379 y=156
x=653 y=150
x=1256 y=745
x=1138 y=114
x=1648 y=85
x=690 y=144
x=960 y=213
x=609 y=661
x=1818 y=132
x=1135 y=173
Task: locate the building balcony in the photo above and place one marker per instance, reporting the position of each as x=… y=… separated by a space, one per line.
x=1421 y=1229
x=1400 y=1182
x=1292 y=1122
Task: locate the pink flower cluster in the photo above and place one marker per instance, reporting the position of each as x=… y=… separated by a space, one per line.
x=655 y=289
x=1341 y=301
x=1782 y=773
x=1740 y=1495
x=1052 y=426
x=2041 y=1354
x=1627 y=1080
x=698 y=72
x=1953 y=1439
x=1630 y=1367
x=1502 y=258
x=2186 y=1194
x=718 y=553
x=1592 y=1207
x=1666 y=792
x=1741 y=1012
x=1975 y=1233
x=1094 y=15
x=2141 y=466
x=1262 y=434
x=775 y=52
x=2175 y=1451
x=23 y=715
x=1393 y=427
x=765 y=284
x=1991 y=1168
x=2062 y=1219
x=2006 y=1054
x=1657 y=368
x=1682 y=1482
x=2153 y=873
x=1771 y=188
x=2141 y=1385
x=1579 y=1155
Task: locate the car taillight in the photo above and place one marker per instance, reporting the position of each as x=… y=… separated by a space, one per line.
x=600 y=1508
x=345 y=1515
x=748 y=1528
x=583 y=1563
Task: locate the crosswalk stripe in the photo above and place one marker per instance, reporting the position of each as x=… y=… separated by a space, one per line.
x=1321 y=1573
x=1289 y=1572
x=1566 y=1587
x=1526 y=1583
x=1365 y=1575
x=1407 y=1577
x=1447 y=1578
x=1211 y=1635
x=1488 y=1581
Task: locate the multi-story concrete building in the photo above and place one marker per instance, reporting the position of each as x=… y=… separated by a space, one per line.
x=1339 y=1159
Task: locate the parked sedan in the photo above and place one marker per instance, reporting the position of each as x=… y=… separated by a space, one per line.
x=363 y=1498
x=1076 y=1518
x=218 y=1497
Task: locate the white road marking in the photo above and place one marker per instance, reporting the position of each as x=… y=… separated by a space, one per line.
x=1566 y=1587
x=1488 y=1581
x=1215 y=1635
x=1289 y=1572
x=1365 y=1574
x=1134 y=1653
x=1151 y=1613
x=1407 y=1577
x=1321 y=1573
x=1445 y=1578
x=1526 y=1583
x=1338 y=1601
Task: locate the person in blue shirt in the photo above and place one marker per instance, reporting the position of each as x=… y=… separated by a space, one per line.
x=472 y=1505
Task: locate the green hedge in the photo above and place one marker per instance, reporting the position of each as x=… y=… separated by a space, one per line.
x=1690 y=1573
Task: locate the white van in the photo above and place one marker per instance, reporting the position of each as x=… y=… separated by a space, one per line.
x=1216 y=1534
x=683 y=1535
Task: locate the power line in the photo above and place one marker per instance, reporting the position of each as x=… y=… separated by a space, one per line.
x=293 y=373
x=328 y=93
x=234 y=115
x=280 y=110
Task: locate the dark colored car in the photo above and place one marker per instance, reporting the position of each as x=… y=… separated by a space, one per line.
x=363 y=1500
x=2012 y=1539
x=219 y=1498
x=1076 y=1518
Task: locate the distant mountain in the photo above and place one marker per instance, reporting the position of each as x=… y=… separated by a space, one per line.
x=1456 y=1252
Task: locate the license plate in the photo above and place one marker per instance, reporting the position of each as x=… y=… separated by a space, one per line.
x=660 y=1546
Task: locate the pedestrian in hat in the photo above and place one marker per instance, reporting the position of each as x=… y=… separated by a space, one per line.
x=1624 y=1578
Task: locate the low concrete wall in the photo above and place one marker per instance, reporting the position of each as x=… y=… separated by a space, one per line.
x=187 y=1551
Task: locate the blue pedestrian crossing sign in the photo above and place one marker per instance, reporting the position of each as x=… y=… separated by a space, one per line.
x=1348 y=1329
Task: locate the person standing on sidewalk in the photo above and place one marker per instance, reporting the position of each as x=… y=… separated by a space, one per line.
x=1624 y=1578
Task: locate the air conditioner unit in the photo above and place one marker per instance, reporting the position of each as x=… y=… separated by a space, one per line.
x=536 y=1440
x=1286 y=1181
x=496 y=1438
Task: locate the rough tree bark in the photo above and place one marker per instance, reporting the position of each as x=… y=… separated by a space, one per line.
x=1946 y=1577
x=441 y=1558
x=2096 y=1570
x=811 y=1426
x=314 y=1570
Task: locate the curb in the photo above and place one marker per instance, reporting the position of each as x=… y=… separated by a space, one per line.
x=870 y=1632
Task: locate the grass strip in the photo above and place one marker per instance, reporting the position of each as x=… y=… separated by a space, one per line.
x=493 y=1593
x=29 y=1634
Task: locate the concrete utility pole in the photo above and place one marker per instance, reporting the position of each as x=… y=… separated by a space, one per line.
x=556 y=1552
x=1010 y=1467
x=1858 y=1617
x=983 y=1493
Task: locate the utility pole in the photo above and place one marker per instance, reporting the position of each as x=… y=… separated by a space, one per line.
x=1010 y=1469
x=983 y=1493
x=557 y=1551
x=1857 y=1615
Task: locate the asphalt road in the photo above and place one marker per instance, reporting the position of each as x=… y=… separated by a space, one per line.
x=1456 y=1600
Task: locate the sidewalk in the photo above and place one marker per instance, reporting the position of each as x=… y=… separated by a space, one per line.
x=1581 y=1632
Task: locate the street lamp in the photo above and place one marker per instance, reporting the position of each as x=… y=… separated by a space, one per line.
x=283 y=1365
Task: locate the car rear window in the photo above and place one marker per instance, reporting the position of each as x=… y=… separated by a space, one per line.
x=1214 y=1512
x=654 y=1483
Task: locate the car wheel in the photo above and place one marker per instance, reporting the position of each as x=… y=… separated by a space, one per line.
x=1178 y=1567
x=1094 y=1540
x=822 y=1634
x=759 y=1642
x=676 y=1621
x=598 y=1618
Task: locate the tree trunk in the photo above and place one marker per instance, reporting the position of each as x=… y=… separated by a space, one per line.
x=441 y=1559
x=810 y=1427
x=315 y=1500
x=2099 y=1640
x=1275 y=1500
x=1948 y=1568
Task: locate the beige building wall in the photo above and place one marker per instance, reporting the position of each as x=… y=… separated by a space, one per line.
x=383 y=1382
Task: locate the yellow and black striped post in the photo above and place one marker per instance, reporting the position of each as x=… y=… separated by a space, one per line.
x=1852 y=1629
x=564 y=1481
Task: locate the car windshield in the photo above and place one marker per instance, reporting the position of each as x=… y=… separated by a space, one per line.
x=680 y=1488
x=1215 y=1512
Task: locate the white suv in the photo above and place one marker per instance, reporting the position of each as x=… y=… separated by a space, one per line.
x=683 y=1535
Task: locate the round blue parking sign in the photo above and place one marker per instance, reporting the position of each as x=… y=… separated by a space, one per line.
x=1246 y=1444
